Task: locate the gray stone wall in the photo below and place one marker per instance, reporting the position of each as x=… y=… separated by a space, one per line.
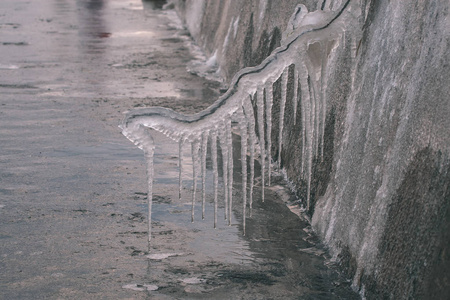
x=380 y=194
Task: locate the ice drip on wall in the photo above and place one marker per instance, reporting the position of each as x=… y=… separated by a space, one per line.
x=307 y=45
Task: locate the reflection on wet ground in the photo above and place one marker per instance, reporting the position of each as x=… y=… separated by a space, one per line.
x=72 y=188
x=278 y=257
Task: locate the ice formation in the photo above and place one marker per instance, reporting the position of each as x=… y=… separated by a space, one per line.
x=306 y=46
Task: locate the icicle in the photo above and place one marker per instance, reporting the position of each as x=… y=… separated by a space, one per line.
x=230 y=168
x=316 y=62
x=204 y=150
x=310 y=142
x=262 y=151
x=310 y=60
x=313 y=117
x=215 y=172
x=250 y=117
x=269 y=104
x=284 y=81
x=304 y=30
x=180 y=166
x=194 y=151
x=149 y=158
x=323 y=86
x=243 y=130
x=303 y=98
x=295 y=97
x=316 y=101
x=224 y=147
x=307 y=131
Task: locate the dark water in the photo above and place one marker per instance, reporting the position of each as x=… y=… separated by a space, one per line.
x=72 y=188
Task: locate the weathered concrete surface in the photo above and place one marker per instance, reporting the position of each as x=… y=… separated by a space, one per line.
x=380 y=195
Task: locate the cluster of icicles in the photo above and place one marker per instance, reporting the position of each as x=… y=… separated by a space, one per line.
x=307 y=43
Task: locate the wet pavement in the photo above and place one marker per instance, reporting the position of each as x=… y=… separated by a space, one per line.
x=73 y=204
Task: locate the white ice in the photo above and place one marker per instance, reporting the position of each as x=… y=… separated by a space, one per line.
x=308 y=42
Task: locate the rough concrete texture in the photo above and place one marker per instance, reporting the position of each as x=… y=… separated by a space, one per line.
x=380 y=194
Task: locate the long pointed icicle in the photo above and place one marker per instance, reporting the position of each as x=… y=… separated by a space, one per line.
x=295 y=97
x=306 y=129
x=215 y=172
x=313 y=120
x=309 y=140
x=323 y=84
x=203 y=160
x=230 y=168
x=303 y=119
x=224 y=147
x=284 y=82
x=317 y=107
x=249 y=115
x=262 y=151
x=243 y=131
x=150 y=170
x=194 y=148
x=269 y=104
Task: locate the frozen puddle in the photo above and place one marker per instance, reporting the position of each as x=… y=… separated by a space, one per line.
x=140 y=287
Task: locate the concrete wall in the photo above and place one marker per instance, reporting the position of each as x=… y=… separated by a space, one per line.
x=380 y=195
